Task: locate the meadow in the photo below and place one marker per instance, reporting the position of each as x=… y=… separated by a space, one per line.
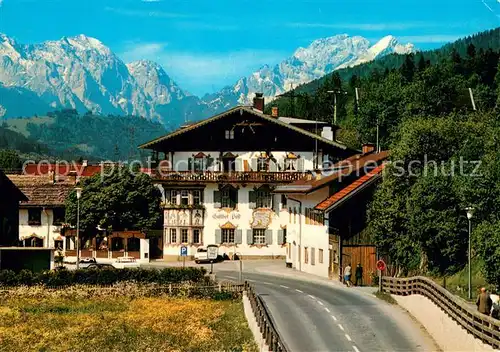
x=123 y=324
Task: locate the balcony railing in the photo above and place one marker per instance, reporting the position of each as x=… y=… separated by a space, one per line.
x=234 y=176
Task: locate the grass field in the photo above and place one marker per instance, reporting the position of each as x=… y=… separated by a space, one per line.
x=123 y=324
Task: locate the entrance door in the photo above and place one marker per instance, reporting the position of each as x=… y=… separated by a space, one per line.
x=366 y=255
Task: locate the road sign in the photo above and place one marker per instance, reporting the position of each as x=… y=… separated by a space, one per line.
x=381 y=265
x=184 y=251
x=212 y=252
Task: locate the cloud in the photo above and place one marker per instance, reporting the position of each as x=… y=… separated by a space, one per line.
x=431 y=38
x=142 y=13
x=136 y=51
x=1 y=2
x=490 y=9
x=363 y=26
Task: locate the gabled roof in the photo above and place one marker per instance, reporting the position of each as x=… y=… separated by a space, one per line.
x=340 y=170
x=41 y=191
x=346 y=193
x=241 y=110
x=7 y=187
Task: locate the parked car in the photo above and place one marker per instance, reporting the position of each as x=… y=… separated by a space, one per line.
x=125 y=262
x=201 y=256
x=85 y=262
x=100 y=266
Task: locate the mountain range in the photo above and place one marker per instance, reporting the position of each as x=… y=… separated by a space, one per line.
x=83 y=74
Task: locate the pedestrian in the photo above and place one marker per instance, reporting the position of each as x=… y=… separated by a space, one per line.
x=484 y=302
x=347 y=275
x=359 y=275
x=495 y=306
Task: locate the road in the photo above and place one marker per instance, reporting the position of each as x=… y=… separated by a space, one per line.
x=311 y=316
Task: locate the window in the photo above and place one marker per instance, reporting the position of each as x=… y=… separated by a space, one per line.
x=290 y=164
x=313 y=256
x=184 y=197
x=196 y=236
x=34 y=216
x=306 y=255
x=227 y=235
x=184 y=235
x=173 y=196
x=314 y=217
x=199 y=164
x=196 y=197
x=58 y=216
x=259 y=236
x=320 y=256
x=228 y=197
x=264 y=199
x=262 y=164
x=229 y=134
x=173 y=236
x=284 y=235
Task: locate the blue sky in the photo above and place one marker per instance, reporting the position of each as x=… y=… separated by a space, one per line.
x=205 y=45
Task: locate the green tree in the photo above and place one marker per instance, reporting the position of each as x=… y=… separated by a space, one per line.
x=118 y=201
x=9 y=160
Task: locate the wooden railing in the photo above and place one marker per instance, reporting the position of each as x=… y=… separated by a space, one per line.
x=235 y=176
x=481 y=326
x=266 y=324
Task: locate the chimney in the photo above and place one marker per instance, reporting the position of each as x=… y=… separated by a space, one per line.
x=327 y=133
x=84 y=163
x=258 y=102
x=368 y=148
x=275 y=112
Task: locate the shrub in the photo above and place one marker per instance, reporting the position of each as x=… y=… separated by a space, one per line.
x=102 y=277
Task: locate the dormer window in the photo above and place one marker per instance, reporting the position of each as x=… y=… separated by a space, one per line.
x=291 y=162
x=199 y=162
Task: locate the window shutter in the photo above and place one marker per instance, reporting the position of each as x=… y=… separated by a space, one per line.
x=234 y=197
x=272 y=166
x=238 y=236
x=281 y=237
x=217 y=199
x=190 y=164
x=300 y=165
x=253 y=164
x=275 y=203
x=269 y=236
x=252 y=199
x=250 y=236
x=218 y=236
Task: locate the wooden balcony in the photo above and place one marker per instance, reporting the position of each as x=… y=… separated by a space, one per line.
x=234 y=176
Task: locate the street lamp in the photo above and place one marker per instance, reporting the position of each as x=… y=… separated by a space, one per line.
x=470 y=213
x=78 y=196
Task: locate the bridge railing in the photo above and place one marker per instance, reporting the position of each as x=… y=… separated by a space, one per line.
x=265 y=322
x=481 y=326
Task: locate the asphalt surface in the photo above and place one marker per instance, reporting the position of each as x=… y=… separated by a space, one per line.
x=314 y=317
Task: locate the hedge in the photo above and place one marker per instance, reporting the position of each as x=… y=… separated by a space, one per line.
x=102 y=277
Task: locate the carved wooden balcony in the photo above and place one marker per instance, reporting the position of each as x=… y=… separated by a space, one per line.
x=234 y=176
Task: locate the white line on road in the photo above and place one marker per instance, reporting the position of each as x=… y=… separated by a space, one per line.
x=348 y=337
x=250 y=280
x=266 y=283
x=320 y=303
x=312 y=296
x=284 y=286
x=299 y=291
x=355 y=348
x=327 y=310
x=341 y=327
x=334 y=318
x=231 y=277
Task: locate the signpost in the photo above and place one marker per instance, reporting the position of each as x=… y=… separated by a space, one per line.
x=184 y=253
x=380 y=267
x=212 y=254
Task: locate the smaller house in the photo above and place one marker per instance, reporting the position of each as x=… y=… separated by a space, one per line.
x=327 y=216
x=42 y=215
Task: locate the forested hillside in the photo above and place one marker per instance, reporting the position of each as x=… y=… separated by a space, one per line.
x=68 y=135
x=445 y=156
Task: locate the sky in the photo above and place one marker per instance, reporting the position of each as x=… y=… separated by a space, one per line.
x=205 y=45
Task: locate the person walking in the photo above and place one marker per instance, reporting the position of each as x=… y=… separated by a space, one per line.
x=484 y=302
x=347 y=275
x=359 y=275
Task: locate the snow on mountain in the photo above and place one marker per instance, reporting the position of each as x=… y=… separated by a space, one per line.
x=321 y=57
x=82 y=73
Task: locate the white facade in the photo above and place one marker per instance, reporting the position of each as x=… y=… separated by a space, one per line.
x=45 y=231
x=308 y=237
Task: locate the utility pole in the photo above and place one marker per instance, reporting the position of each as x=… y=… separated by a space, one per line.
x=472 y=99
x=378 y=145
x=335 y=92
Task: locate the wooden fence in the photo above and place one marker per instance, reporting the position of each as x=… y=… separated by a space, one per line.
x=482 y=326
x=267 y=329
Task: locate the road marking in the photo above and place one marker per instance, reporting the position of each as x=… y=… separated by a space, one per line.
x=266 y=283
x=328 y=310
x=348 y=337
x=299 y=291
x=334 y=318
x=284 y=286
x=250 y=280
x=341 y=327
x=312 y=296
x=320 y=303
x=231 y=277
x=355 y=348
